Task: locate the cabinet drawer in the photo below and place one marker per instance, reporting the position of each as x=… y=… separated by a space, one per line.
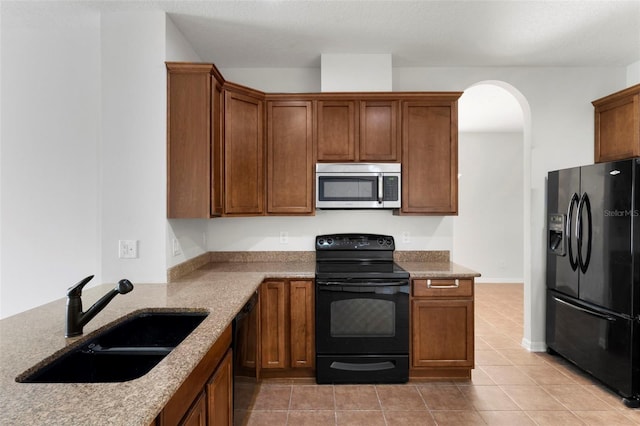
x=443 y=287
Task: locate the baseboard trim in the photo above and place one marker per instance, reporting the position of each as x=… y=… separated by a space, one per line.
x=534 y=346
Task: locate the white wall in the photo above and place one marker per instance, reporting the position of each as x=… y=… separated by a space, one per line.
x=133 y=149
x=190 y=234
x=633 y=74
x=488 y=231
x=1 y=133
x=344 y=72
x=177 y=47
x=275 y=80
x=83 y=147
x=256 y=234
x=49 y=165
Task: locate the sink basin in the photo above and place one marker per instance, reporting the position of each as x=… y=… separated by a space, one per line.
x=125 y=351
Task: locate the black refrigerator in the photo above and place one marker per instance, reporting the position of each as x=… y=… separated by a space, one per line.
x=593 y=272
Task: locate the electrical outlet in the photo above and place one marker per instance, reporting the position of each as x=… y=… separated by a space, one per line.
x=406 y=237
x=128 y=249
x=176 y=247
x=284 y=237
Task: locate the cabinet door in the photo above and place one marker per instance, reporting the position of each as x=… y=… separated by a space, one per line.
x=617 y=129
x=188 y=140
x=302 y=324
x=273 y=324
x=243 y=149
x=289 y=157
x=442 y=333
x=379 y=131
x=429 y=158
x=197 y=415
x=220 y=394
x=336 y=130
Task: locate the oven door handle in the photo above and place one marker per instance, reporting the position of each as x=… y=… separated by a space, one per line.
x=373 y=366
x=456 y=284
x=366 y=283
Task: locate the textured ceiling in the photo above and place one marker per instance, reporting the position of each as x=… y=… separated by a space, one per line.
x=294 y=33
x=473 y=33
x=416 y=33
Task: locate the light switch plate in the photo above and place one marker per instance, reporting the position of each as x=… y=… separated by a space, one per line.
x=128 y=249
x=177 y=251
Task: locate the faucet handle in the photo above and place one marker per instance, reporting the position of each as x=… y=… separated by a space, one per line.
x=76 y=289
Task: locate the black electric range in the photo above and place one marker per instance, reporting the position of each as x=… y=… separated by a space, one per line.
x=362 y=310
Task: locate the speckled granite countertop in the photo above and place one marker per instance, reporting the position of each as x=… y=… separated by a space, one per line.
x=437 y=270
x=221 y=288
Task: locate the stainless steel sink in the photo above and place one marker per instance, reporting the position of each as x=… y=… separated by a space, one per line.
x=125 y=351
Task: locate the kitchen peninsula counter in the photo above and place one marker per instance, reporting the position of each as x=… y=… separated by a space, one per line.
x=221 y=288
x=437 y=270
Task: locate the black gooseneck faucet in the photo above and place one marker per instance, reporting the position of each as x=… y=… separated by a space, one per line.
x=76 y=319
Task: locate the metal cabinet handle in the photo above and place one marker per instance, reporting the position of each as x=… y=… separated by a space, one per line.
x=455 y=285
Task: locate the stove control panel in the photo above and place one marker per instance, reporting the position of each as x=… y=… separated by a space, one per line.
x=354 y=242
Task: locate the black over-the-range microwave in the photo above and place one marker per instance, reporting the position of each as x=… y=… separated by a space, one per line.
x=358 y=185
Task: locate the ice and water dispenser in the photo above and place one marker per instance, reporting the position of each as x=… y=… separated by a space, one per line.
x=557 y=239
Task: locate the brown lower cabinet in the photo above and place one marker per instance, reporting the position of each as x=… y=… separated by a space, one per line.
x=442 y=328
x=287 y=333
x=442 y=344
x=206 y=396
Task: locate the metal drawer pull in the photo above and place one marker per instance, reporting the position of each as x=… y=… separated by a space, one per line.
x=455 y=285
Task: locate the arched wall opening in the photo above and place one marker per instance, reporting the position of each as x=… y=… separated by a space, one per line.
x=495 y=171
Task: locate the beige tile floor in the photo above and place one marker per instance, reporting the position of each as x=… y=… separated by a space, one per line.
x=509 y=386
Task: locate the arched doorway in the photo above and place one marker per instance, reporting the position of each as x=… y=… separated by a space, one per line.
x=492 y=233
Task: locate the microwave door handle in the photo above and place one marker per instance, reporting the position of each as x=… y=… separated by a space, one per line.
x=380 y=188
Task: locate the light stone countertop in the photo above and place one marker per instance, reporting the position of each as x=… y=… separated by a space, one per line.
x=437 y=270
x=221 y=288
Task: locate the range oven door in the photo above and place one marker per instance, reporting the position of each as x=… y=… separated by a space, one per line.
x=362 y=331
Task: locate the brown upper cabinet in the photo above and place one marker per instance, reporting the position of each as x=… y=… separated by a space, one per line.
x=356 y=129
x=236 y=151
x=290 y=157
x=617 y=125
x=379 y=131
x=194 y=113
x=430 y=155
x=336 y=130
x=243 y=152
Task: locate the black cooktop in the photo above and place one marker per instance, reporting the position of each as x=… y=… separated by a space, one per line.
x=360 y=270
x=356 y=256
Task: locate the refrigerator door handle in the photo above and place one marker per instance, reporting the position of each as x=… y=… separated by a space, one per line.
x=586 y=311
x=585 y=205
x=573 y=260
